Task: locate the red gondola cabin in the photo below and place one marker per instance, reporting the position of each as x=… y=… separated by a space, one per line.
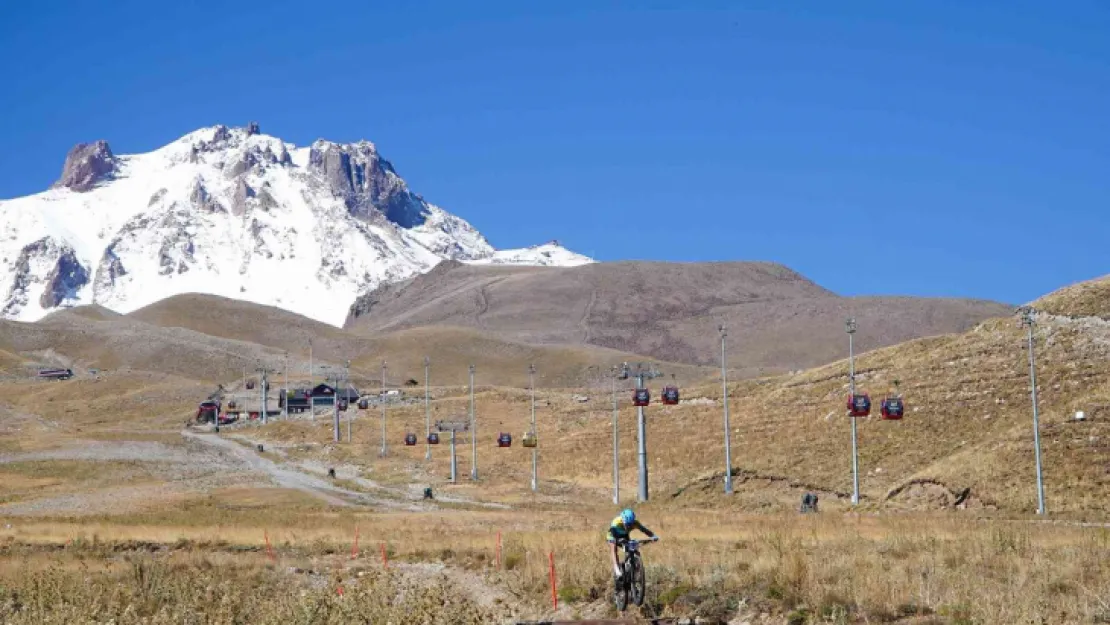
x=433 y=438
x=670 y=395
x=893 y=408
x=250 y=384
x=410 y=440
x=504 y=439
x=641 y=397
x=342 y=406
x=859 y=405
x=207 y=411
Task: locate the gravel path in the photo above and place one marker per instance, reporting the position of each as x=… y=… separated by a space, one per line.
x=175 y=470
x=291 y=478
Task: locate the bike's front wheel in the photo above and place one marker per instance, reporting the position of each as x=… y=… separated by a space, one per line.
x=638 y=582
x=621 y=589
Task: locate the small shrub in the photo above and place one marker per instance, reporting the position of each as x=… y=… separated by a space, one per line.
x=573 y=594
x=798 y=617
x=834 y=608
x=959 y=614
x=512 y=561
x=672 y=595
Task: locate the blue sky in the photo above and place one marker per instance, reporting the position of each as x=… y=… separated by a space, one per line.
x=920 y=147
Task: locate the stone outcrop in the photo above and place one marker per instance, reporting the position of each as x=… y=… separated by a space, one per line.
x=367 y=183
x=66 y=278
x=86 y=165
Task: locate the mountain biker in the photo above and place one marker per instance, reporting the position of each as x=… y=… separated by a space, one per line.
x=618 y=534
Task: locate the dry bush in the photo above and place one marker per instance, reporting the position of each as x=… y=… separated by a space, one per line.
x=835 y=570
x=156 y=591
x=825 y=569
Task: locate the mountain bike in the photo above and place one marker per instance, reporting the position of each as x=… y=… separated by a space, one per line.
x=632 y=582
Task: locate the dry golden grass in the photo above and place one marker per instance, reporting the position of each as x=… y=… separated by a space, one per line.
x=1085 y=299
x=497 y=361
x=10 y=363
x=813 y=569
x=967 y=426
x=139 y=404
x=452 y=349
x=196 y=588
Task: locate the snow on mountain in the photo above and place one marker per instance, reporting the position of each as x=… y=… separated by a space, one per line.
x=231 y=212
x=549 y=254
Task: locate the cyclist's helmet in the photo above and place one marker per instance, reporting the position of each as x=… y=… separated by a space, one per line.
x=628 y=516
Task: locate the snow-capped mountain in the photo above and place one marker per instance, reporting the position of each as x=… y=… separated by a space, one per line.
x=549 y=254
x=231 y=212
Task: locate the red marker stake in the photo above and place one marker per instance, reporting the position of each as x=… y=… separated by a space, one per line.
x=554 y=593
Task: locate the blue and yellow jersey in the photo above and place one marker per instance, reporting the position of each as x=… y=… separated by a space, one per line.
x=619 y=531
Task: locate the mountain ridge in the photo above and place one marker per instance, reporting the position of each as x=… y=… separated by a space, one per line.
x=777 y=319
x=230 y=212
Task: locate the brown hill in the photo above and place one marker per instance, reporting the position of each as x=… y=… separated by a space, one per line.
x=968 y=423
x=500 y=361
x=497 y=362
x=1085 y=299
x=254 y=323
x=967 y=427
x=777 y=319
x=81 y=338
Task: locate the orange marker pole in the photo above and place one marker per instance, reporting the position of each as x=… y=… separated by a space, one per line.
x=554 y=593
x=354 y=548
x=498 y=558
x=269 y=548
x=385 y=562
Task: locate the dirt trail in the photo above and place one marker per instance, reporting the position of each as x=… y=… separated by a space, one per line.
x=163 y=472
x=291 y=478
x=351 y=473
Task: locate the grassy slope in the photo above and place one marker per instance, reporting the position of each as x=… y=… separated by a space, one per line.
x=967 y=423
x=832 y=569
x=500 y=361
x=778 y=320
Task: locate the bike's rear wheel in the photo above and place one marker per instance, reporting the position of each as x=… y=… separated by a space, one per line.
x=638 y=580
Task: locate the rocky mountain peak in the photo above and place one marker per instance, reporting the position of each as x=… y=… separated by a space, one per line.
x=86 y=165
x=367 y=183
x=228 y=211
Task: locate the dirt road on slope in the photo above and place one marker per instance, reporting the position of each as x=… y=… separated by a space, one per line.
x=292 y=478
